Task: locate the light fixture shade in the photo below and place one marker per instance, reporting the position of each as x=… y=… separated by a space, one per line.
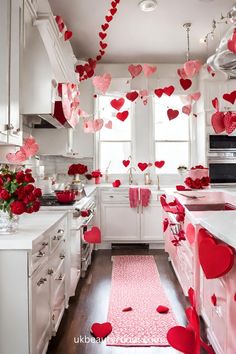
x=148 y=5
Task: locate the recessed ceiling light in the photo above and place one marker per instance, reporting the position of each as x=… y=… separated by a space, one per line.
x=148 y=5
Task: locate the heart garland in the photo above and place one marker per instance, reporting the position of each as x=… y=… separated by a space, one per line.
x=86 y=70
x=230 y=97
x=166 y=90
x=122 y=115
x=149 y=70
x=102 y=83
x=132 y=96
x=61 y=26
x=29 y=149
x=117 y=104
x=135 y=70
x=172 y=113
x=223 y=122
x=185 y=83
x=126 y=163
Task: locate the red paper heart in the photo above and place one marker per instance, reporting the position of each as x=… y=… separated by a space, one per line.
x=168 y=90
x=103 y=45
x=101 y=52
x=117 y=104
x=190 y=233
x=113 y=4
x=116 y=183
x=210 y=252
x=101 y=330
x=182 y=188
x=159 y=164
x=132 y=96
x=229 y=122
x=135 y=70
x=93 y=235
x=162 y=309
x=182 y=339
x=127 y=309
x=172 y=113
x=58 y=19
x=108 y=18
x=102 y=35
x=61 y=26
x=165 y=224
x=217 y=122
x=79 y=69
x=232 y=45
x=122 y=115
x=67 y=35
x=215 y=103
x=105 y=26
x=159 y=92
x=126 y=163
x=142 y=166
x=230 y=97
x=84 y=213
x=98 y=57
x=185 y=83
x=113 y=11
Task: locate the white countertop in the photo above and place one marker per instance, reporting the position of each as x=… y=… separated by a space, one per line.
x=31 y=226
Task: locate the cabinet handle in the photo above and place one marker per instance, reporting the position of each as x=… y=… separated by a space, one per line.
x=60 y=277
x=41 y=281
x=50 y=271
x=60 y=232
x=44 y=244
x=10 y=127
x=111 y=196
x=62 y=256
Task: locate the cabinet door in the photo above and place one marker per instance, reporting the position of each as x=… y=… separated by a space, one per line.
x=4 y=68
x=151 y=223
x=120 y=222
x=41 y=315
x=15 y=123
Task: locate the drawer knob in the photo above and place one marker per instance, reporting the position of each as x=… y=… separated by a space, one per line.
x=41 y=281
x=60 y=232
x=60 y=277
x=62 y=256
x=111 y=196
x=50 y=271
x=41 y=254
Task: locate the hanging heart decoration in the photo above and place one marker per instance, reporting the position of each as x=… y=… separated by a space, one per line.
x=210 y=71
x=215 y=104
x=172 y=113
x=126 y=163
x=185 y=83
x=217 y=122
x=108 y=125
x=149 y=70
x=61 y=26
x=230 y=97
x=93 y=126
x=195 y=96
x=169 y=90
x=192 y=67
x=68 y=35
x=159 y=164
x=231 y=44
x=117 y=104
x=132 y=96
x=28 y=149
x=229 y=122
x=102 y=83
x=122 y=115
x=142 y=166
x=165 y=224
x=187 y=109
x=182 y=74
x=135 y=70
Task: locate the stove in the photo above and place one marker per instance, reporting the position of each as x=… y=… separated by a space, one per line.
x=51 y=200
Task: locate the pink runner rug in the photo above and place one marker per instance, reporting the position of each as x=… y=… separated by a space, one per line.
x=136 y=283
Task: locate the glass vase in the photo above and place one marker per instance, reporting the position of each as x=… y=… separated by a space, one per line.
x=9 y=223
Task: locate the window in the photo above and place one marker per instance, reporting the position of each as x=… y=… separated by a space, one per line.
x=172 y=137
x=114 y=145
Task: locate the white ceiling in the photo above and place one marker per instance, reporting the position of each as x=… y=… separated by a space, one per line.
x=135 y=36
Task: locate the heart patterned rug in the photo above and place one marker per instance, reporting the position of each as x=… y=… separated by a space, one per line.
x=136 y=284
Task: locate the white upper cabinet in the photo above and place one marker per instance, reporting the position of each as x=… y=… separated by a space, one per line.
x=11 y=17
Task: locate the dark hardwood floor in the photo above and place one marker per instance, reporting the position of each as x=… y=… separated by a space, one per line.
x=91 y=305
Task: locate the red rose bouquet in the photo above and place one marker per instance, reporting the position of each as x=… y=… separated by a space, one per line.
x=18 y=195
x=77 y=169
x=97 y=175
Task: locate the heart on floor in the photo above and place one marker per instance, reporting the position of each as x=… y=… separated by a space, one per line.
x=162 y=309
x=182 y=339
x=93 y=235
x=101 y=330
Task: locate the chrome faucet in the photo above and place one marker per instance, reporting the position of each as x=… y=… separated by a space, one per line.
x=131 y=178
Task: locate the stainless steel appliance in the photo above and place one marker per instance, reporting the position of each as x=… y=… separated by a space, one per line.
x=221 y=143
x=222 y=170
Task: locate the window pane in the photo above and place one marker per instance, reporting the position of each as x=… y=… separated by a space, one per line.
x=115 y=152
x=174 y=154
x=120 y=130
x=165 y=129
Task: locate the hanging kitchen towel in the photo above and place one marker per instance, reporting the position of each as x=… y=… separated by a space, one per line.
x=145 y=194
x=133 y=197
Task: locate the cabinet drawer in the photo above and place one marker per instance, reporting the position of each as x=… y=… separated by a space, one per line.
x=57 y=235
x=57 y=258
x=40 y=252
x=114 y=197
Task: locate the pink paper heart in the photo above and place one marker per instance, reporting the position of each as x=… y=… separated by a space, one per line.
x=195 y=96
x=187 y=109
x=97 y=124
x=102 y=83
x=217 y=122
x=143 y=93
x=88 y=126
x=182 y=73
x=229 y=122
x=135 y=70
x=192 y=67
x=30 y=147
x=108 y=125
x=149 y=70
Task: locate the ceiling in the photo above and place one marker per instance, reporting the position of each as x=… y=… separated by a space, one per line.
x=136 y=36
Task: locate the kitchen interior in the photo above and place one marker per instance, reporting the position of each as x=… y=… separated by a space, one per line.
x=117 y=168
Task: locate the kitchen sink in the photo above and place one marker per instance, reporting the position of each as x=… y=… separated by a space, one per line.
x=210 y=207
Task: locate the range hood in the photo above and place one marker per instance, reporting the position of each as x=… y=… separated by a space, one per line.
x=47 y=61
x=225 y=60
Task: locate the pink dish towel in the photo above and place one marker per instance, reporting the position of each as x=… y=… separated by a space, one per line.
x=133 y=197
x=145 y=194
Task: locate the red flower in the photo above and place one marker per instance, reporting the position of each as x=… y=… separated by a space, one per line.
x=89 y=176
x=5 y=195
x=20 y=177
x=38 y=192
x=29 y=178
x=29 y=188
x=1 y=181
x=17 y=207
x=36 y=206
x=96 y=173
x=79 y=169
x=205 y=181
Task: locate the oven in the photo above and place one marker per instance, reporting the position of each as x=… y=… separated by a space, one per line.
x=222 y=171
x=221 y=143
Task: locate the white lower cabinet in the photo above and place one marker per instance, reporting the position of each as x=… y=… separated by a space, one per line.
x=121 y=223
